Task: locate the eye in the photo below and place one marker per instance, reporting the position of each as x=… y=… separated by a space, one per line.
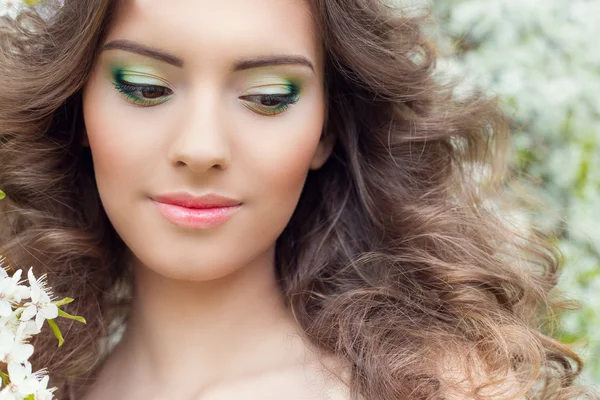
x=144 y=95
x=269 y=104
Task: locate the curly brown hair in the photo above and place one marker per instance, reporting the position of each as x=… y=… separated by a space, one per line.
x=393 y=259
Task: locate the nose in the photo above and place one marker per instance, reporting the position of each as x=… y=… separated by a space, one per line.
x=201 y=143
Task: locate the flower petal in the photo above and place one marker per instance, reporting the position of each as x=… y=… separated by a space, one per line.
x=17 y=373
x=44 y=382
x=21 y=292
x=6 y=393
x=17 y=276
x=5 y=308
x=28 y=313
x=31 y=277
x=30 y=329
x=39 y=320
x=7 y=341
x=49 y=311
x=34 y=287
x=22 y=352
x=29 y=386
x=35 y=292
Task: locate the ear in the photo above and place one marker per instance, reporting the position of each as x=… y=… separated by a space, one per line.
x=323 y=151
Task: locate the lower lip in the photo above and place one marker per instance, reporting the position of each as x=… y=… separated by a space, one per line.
x=197 y=218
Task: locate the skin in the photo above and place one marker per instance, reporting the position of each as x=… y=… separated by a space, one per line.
x=208 y=320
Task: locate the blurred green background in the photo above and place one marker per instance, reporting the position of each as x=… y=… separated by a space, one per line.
x=543 y=59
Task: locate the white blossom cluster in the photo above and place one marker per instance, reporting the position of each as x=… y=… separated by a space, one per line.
x=10 y=9
x=19 y=320
x=541 y=58
x=23 y=310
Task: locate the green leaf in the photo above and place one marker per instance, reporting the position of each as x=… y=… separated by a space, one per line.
x=4 y=377
x=64 y=301
x=56 y=331
x=29 y=397
x=2 y=195
x=63 y=314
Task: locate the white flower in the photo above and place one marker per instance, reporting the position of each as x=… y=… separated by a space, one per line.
x=12 y=323
x=43 y=393
x=13 y=347
x=48 y=8
x=40 y=305
x=7 y=394
x=22 y=381
x=11 y=8
x=11 y=292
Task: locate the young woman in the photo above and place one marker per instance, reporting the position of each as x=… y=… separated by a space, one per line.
x=275 y=200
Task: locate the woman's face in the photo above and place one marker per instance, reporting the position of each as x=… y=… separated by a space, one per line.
x=197 y=97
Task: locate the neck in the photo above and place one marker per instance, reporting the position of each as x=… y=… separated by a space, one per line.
x=208 y=331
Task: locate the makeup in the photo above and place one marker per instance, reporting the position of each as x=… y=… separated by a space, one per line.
x=140 y=86
x=266 y=94
x=195 y=218
x=271 y=99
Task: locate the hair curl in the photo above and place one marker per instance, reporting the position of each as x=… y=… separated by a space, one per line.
x=393 y=259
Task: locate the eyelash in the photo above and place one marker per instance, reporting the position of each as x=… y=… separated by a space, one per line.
x=129 y=89
x=284 y=100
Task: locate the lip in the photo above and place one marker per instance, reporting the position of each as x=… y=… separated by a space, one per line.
x=198 y=212
x=190 y=201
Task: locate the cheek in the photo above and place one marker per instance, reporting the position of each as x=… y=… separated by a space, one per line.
x=118 y=151
x=282 y=158
x=105 y=135
x=119 y=155
x=284 y=164
x=277 y=168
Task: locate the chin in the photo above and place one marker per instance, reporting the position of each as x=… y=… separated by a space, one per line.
x=178 y=268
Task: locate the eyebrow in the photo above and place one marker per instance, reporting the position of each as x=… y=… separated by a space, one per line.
x=239 y=65
x=264 y=61
x=133 y=47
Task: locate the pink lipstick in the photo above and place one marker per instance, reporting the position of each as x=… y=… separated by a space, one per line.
x=202 y=212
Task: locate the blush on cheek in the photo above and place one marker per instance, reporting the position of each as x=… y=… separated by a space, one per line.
x=115 y=138
x=110 y=161
x=290 y=168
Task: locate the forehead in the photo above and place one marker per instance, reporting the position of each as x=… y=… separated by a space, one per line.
x=201 y=30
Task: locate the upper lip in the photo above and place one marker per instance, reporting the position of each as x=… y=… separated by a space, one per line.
x=188 y=200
